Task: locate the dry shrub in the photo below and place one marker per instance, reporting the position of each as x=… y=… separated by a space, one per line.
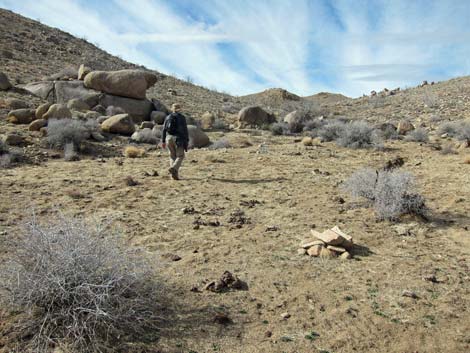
x=278 y=129
x=77 y=286
x=417 y=135
x=69 y=153
x=358 y=134
x=63 y=131
x=448 y=149
x=457 y=129
x=219 y=144
x=391 y=193
x=133 y=152
x=331 y=131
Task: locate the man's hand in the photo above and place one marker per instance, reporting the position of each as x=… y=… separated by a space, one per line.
x=163 y=145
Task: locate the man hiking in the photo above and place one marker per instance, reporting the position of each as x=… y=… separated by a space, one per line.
x=175 y=137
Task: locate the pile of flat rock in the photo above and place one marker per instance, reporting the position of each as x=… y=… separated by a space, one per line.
x=329 y=244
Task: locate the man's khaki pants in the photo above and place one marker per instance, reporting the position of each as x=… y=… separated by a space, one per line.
x=176 y=153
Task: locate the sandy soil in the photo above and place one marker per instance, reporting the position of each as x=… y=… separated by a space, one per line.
x=334 y=306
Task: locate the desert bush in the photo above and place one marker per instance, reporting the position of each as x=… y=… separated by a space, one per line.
x=219 y=124
x=417 y=135
x=150 y=136
x=5 y=160
x=77 y=286
x=391 y=193
x=314 y=124
x=63 y=131
x=448 y=149
x=278 y=129
x=457 y=129
x=112 y=110
x=69 y=152
x=331 y=131
x=389 y=133
x=358 y=134
x=219 y=144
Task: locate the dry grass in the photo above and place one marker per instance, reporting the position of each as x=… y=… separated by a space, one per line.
x=133 y=152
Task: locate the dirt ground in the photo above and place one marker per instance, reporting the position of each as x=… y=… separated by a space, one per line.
x=334 y=306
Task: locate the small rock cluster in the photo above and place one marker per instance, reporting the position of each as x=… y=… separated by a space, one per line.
x=329 y=244
x=226 y=282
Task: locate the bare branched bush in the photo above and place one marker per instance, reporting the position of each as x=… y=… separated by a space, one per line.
x=69 y=152
x=391 y=193
x=457 y=129
x=332 y=130
x=417 y=135
x=219 y=144
x=314 y=124
x=219 y=124
x=358 y=134
x=278 y=129
x=78 y=287
x=63 y=131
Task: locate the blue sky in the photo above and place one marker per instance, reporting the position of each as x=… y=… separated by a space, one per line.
x=245 y=46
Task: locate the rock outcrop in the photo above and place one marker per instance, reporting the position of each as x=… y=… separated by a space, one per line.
x=254 y=117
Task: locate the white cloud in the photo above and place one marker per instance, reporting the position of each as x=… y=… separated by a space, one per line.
x=304 y=46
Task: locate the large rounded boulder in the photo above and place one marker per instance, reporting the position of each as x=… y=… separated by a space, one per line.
x=197 y=137
x=21 y=116
x=4 y=82
x=125 y=83
x=254 y=117
x=57 y=111
x=119 y=124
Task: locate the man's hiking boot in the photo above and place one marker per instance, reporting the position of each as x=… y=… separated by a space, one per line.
x=174 y=173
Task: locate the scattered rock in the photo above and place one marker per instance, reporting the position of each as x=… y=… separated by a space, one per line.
x=13 y=139
x=410 y=294
x=158 y=117
x=37 y=124
x=238 y=219
x=334 y=236
x=285 y=316
x=21 y=116
x=42 y=109
x=14 y=103
x=119 y=124
x=78 y=105
x=147 y=125
x=327 y=253
x=222 y=319
x=315 y=250
x=130 y=181
x=337 y=249
x=83 y=71
x=309 y=243
x=4 y=82
x=404 y=127
x=227 y=281
x=301 y=251
x=346 y=255
x=254 y=116
x=138 y=109
x=125 y=83
x=197 y=137
x=57 y=111
x=307 y=141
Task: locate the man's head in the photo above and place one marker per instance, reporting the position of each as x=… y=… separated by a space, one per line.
x=175 y=108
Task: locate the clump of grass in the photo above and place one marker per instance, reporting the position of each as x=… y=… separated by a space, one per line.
x=133 y=152
x=417 y=135
x=391 y=193
x=78 y=287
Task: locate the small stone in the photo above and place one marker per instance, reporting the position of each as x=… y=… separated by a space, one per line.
x=301 y=251
x=345 y=256
x=338 y=249
x=327 y=253
x=309 y=243
x=315 y=250
x=14 y=140
x=268 y=334
x=175 y=257
x=409 y=294
x=285 y=316
x=37 y=124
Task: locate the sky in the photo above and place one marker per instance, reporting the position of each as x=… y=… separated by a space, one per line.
x=246 y=46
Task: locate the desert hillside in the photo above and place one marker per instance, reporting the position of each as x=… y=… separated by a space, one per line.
x=341 y=227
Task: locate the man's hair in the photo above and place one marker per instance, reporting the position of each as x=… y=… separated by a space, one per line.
x=176 y=107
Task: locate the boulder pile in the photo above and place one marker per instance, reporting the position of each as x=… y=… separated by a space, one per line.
x=329 y=244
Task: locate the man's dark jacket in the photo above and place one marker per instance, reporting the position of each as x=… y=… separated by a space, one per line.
x=182 y=136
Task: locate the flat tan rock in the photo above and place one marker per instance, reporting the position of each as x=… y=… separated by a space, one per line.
x=327 y=253
x=309 y=243
x=345 y=256
x=337 y=249
x=315 y=250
